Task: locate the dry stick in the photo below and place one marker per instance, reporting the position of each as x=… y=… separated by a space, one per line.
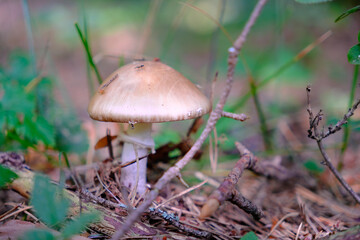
x=239 y=117
x=227 y=192
x=266 y=168
x=214 y=117
x=314 y=121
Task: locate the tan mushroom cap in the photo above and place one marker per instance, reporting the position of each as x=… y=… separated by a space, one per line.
x=147 y=91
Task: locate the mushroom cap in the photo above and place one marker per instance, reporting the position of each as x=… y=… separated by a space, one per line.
x=147 y=91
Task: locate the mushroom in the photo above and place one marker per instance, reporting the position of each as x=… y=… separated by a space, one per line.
x=141 y=93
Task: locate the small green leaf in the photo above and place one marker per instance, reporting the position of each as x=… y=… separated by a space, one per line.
x=38 y=234
x=250 y=236
x=313 y=166
x=6 y=176
x=347 y=13
x=354 y=54
x=359 y=36
x=79 y=224
x=49 y=203
x=311 y=1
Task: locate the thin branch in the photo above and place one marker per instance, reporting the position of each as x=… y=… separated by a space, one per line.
x=319 y=136
x=343 y=121
x=239 y=117
x=214 y=117
x=239 y=200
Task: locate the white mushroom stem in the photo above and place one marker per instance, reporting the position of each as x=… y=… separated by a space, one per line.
x=140 y=139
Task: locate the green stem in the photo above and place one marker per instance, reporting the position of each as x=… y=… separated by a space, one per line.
x=263 y=124
x=263 y=83
x=345 y=140
x=88 y=53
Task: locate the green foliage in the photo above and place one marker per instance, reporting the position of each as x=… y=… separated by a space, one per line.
x=347 y=13
x=30 y=113
x=38 y=234
x=311 y=1
x=313 y=166
x=250 y=236
x=166 y=137
x=51 y=206
x=49 y=203
x=6 y=176
x=78 y=225
x=354 y=54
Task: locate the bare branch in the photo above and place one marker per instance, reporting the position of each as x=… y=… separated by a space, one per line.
x=343 y=121
x=227 y=192
x=239 y=117
x=314 y=133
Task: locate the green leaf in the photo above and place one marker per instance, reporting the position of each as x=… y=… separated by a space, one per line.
x=312 y=1
x=15 y=99
x=79 y=224
x=354 y=54
x=41 y=130
x=347 y=13
x=359 y=36
x=48 y=201
x=38 y=234
x=6 y=176
x=313 y=166
x=250 y=236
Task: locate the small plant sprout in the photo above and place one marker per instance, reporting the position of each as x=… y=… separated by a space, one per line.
x=142 y=93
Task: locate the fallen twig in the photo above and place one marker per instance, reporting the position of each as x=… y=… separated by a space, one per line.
x=214 y=117
x=239 y=117
x=315 y=134
x=227 y=192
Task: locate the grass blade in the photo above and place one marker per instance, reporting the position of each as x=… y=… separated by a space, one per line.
x=88 y=52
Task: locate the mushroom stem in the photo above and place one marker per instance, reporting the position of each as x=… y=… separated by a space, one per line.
x=139 y=138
